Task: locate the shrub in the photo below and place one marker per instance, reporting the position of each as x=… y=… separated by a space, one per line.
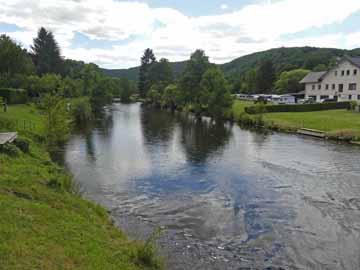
x=14 y=96
x=7 y=124
x=23 y=144
x=10 y=149
x=81 y=110
x=300 y=107
x=147 y=252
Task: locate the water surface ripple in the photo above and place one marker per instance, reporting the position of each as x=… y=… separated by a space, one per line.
x=227 y=198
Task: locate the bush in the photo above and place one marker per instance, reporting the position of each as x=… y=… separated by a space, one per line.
x=23 y=144
x=81 y=110
x=9 y=149
x=300 y=107
x=14 y=96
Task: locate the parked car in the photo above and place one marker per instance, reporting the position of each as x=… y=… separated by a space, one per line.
x=306 y=101
x=328 y=100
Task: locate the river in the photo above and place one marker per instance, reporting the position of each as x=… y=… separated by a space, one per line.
x=226 y=198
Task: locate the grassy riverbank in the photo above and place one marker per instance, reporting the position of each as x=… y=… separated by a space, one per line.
x=44 y=223
x=336 y=123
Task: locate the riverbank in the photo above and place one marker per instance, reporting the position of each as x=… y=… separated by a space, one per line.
x=342 y=125
x=45 y=223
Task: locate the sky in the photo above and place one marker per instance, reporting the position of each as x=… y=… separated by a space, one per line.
x=114 y=33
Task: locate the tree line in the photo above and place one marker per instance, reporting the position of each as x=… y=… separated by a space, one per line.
x=43 y=70
x=201 y=87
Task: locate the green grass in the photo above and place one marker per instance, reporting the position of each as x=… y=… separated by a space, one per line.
x=337 y=123
x=238 y=108
x=24 y=118
x=333 y=120
x=45 y=225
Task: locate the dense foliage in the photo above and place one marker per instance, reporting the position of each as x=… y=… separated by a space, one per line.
x=44 y=71
x=290 y=81
x=13 y=96
x=13 y=59
x=201 y=88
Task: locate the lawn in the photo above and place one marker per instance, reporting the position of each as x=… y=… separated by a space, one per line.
x=46 y=225
x=334 y=122
x=238 y=108
x=22 y=118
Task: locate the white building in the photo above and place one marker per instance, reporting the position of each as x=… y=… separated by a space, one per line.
x=342 y=82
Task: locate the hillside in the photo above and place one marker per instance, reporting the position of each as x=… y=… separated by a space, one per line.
x=283 y=59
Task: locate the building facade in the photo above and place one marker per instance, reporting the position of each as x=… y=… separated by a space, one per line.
x=342 y=82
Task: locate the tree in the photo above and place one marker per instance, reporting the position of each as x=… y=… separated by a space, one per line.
x=57 y=124
x=127 y=89
x=248 y=84
x=192 y=75
x=13 y=58
x=266 y=76
x=161 y=72
x=290 y=81
x=46 y=53
x=215 y=93
x=172 y=96
x=147 y=61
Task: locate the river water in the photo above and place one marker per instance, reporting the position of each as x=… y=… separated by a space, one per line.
x=226 y=198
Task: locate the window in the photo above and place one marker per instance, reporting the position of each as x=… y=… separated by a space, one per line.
x=355 y=72
x=336 y=72
x=333 y=86
x=348 y=72
x=342 y=72
x=324 y=97
x=319 y=86
x=352 y=86
x=327 y=87
x=313 y=87
x=341 y=87
x=350 y=97
x=358 y=97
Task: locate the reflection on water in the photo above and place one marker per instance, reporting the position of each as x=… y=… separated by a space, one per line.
x=267 y=200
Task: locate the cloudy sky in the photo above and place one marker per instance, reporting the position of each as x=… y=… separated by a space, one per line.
x=114 y=33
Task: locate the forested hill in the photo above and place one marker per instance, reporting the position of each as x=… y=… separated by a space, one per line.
x=283 y=59
x=132 y=73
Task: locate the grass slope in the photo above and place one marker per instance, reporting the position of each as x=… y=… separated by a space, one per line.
x=45 y=225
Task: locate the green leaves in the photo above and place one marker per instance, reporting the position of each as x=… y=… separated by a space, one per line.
x=13 y=59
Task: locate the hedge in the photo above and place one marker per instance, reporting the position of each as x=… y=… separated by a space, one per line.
x=14 y=96
x=299 y=107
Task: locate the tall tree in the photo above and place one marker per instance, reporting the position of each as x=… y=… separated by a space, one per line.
x=161 y=72
x=215 y=92
x=266 y=76
x=192 y=75
x=13 y=59
x=46 y=53
x=147 y=61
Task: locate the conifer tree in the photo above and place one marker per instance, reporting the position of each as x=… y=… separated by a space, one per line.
x=46 y=53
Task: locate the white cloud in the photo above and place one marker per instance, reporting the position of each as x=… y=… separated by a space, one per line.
x=172 y=34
